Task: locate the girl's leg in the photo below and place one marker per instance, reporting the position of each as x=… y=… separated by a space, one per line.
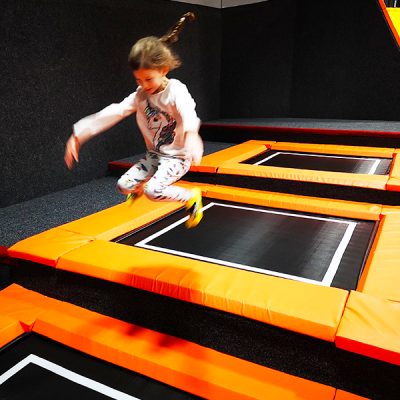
x=160 y=186
x=134 y=179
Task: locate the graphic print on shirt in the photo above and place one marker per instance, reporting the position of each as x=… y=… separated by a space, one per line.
x=163 y=125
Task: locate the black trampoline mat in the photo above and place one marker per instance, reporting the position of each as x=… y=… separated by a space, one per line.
x=323 y=162
x=310 y=248
x=38 y=368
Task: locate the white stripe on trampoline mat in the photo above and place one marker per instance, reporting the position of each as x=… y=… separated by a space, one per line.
x=65 y=373
x=334 y=265
x=268 y=158
x=374 y=167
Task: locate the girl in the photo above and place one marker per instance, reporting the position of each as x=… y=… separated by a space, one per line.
x=166 y=116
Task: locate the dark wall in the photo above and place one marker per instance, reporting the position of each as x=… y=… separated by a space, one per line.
x=63 y=60
x=346 y=62
x=309 y=59
x=257 y=59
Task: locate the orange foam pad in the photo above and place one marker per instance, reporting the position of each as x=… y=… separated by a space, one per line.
x=341 y=395
x=176 y=362
x=118 y=220
x=338 y=208
x=47 y=247
x=371 y=326
x=305 y=175
x=358 y=151
x=309 y=309
x=381 y=274
x=10 y=329
x=24 y=305
x=395 y=170
x=393 y=183
x=237 y=153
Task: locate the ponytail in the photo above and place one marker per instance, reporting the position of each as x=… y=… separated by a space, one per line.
x=172 y=35
x=151 y=52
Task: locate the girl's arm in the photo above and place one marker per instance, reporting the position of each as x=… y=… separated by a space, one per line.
x=72 y=151
x=186 y=107
x=93 y=125
x=194 y=147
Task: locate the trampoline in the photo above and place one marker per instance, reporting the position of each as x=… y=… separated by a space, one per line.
x=364 y=174
x=34 y=365
x=281 y=259
x=311 y=248
x=323 y=162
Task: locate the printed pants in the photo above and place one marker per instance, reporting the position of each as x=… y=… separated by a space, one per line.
x=156 y=174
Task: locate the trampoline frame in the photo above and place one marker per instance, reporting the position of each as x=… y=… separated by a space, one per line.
x=229 y=161
x=84 y=247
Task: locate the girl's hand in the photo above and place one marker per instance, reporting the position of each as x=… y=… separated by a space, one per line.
x=72 y=151
x=194 y=146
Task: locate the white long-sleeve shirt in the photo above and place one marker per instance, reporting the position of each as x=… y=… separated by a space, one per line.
x=163 y=118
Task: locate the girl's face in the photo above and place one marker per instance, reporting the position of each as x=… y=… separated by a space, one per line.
x=151 y=80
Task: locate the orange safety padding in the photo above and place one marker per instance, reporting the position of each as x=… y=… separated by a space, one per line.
x=47 y=247
x=395 y=169
x=341 y=395
x=305 y=175
x=338 y=208
x=381 y=274
x=237 y=153
x=301 y=307
x=176 y=362
x=371 y=326
x=358 y=151
x=390 y=210
x=24 y=305
x=393 y=185
x=115 y=221
x=10 y=329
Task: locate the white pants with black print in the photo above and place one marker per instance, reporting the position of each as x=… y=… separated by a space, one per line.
x=156 y=174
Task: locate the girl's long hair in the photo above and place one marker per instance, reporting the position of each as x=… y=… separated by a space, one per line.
x=154 y=53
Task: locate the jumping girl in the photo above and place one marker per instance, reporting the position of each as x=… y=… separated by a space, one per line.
x=166 y=116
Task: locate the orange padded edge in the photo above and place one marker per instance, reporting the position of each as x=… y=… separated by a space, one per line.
x=395 y=170
x=309 y=309
x=359 y=151
x=381 y=274
x=305 y=175
x=176 y=362
x=24 y=305
x=338 y=208
x=371 y=326
x=237 y=153
x=47 y=247
x=341 y=395
x=393 y=183
x=115 y=221
x=10 y=329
